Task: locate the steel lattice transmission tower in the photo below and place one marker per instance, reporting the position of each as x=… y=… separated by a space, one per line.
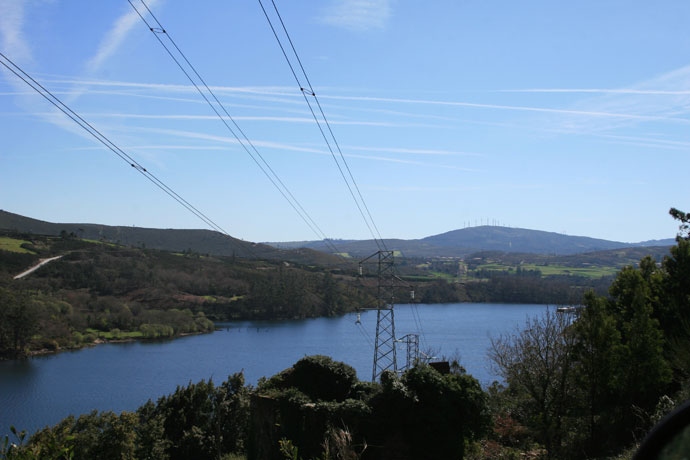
x=411 y=342
x=385 y=353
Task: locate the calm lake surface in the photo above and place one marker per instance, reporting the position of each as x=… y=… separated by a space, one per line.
x=43 y=390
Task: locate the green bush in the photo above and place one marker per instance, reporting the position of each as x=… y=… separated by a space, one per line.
x=318 y=377
x=45 y=343
x=421 y=414
x=156 y=331
x=90 y=337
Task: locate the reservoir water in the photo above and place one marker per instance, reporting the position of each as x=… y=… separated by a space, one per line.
x=122 y=376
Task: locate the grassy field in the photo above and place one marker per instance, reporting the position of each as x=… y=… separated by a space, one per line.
x=113 y=245
x=445 y=276
x=119 y=335
x=418 y=278
x=495 y=267
x=589 y=272
x=430 y=277
x=550 y=270
x=13 y=245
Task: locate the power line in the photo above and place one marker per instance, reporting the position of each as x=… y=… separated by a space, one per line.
x=335 y=141
x=310 y=91
x=418 y=323
x=50 y=97
x=364 y=332
x=242 y=138
x=415 y=312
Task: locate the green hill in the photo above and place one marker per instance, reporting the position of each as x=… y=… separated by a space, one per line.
x=199 y=241
x=99 y=290
x=463 y=242
x=508 y=239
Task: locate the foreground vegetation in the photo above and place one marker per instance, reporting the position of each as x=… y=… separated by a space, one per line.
x=592 y=386
x=317 y=408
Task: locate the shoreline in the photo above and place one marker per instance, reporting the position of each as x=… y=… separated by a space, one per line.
x=98 y=341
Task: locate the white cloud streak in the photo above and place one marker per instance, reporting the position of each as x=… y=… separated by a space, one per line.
x=245 y=118
x=11 y=24
x=114 y=38
x=277 y=91
x=665 y=97
x=412 y=151
x=649 y=140
x=268 y=90
x=357 y=15
x=293 y=148
x=154 y=147
x=11 y=34
x=75 y=93
x=436 y=189
x=651 y=92
x=587 y=113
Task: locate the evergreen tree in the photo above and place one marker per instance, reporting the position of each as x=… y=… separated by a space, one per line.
x=598 y=371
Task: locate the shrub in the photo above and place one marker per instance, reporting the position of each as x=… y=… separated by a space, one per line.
x=318 y=377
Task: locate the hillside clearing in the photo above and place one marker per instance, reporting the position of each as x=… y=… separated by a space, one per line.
x=14 y=245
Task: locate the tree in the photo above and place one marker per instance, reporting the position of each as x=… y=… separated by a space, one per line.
x=332 y=298
x=319 y=377
x=676 y=302
x=598 y=370
x=419 y=415
x=18 y=321
x=643 y=314
x=684 y=218
x=647 y=371
x=676 y=285
x=446 y=412
x=536 y=363
x=104 y=435
x=200 y=421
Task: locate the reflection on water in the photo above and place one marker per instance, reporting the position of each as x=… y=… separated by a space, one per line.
x=122 y=376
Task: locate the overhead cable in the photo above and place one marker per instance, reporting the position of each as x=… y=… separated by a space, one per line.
x=54 y=100
x=308 y=90
x=241 y=138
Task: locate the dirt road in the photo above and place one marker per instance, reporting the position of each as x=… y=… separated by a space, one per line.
x=36 y=267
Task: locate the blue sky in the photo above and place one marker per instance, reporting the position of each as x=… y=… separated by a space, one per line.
x=561 y=116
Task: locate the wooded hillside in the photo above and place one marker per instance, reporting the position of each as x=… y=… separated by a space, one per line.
x=102 y=290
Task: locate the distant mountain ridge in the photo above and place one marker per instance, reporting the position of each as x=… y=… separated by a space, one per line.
x=455 y=243
x=458 y=243
x=200 y=241
x=510 y=239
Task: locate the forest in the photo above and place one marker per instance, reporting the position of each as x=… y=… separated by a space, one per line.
x=100 y=291
x=584 y=385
